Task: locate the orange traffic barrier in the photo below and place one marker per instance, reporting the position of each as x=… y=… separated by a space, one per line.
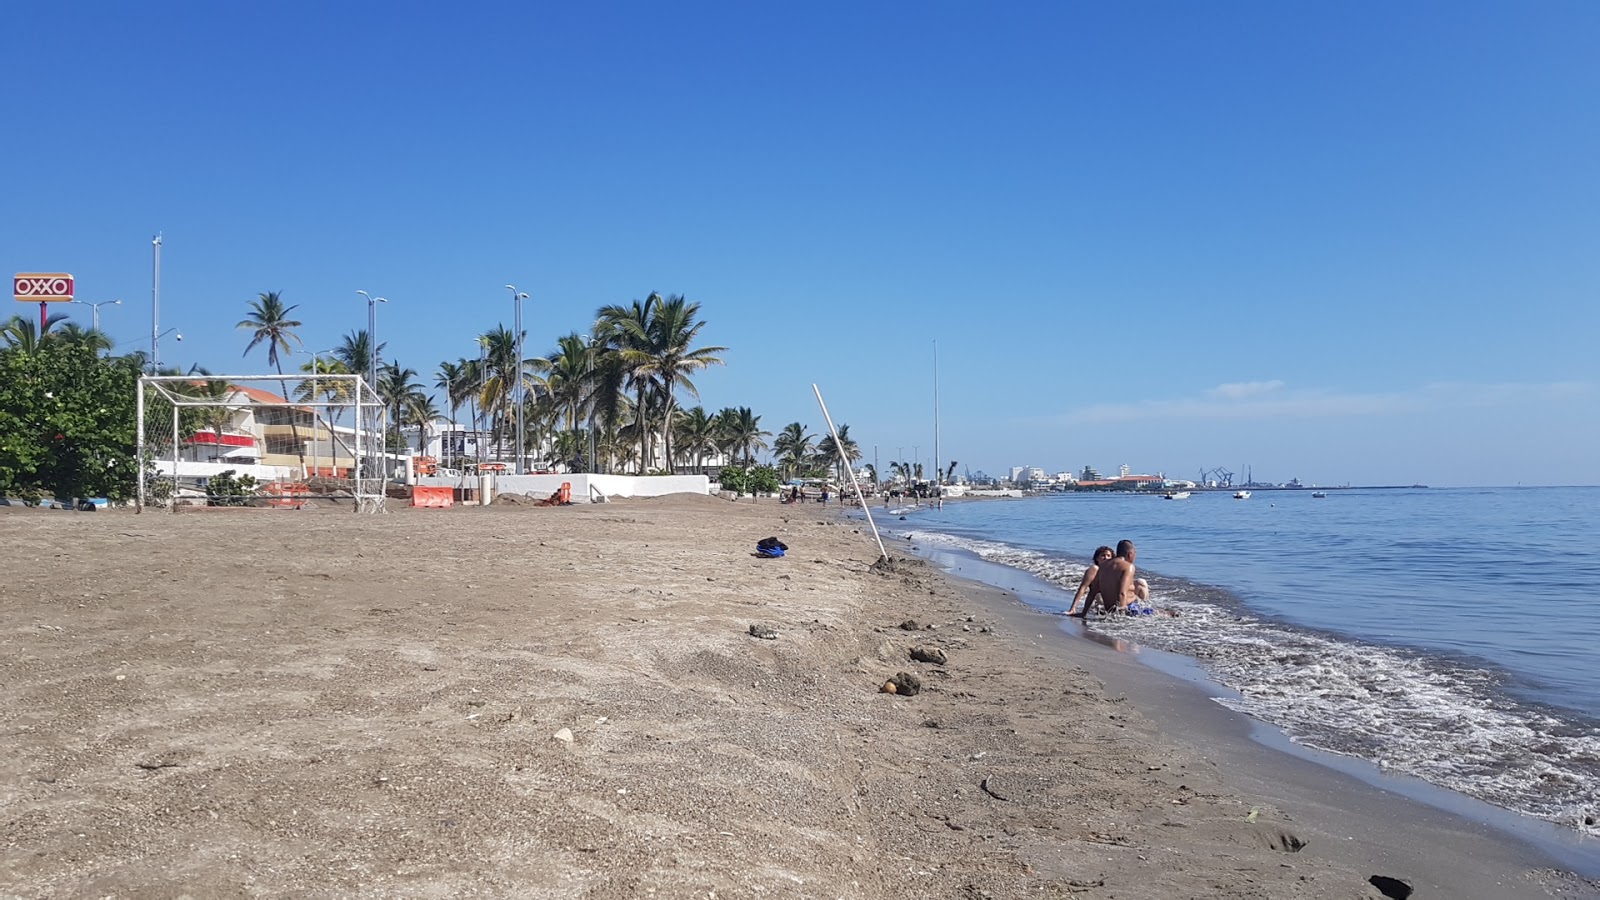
x=433 y=497
x=283 y=495
x=559 y=497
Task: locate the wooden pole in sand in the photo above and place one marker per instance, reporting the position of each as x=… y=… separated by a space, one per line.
x=839 y=448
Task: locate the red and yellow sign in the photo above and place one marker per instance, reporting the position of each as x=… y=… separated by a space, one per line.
x=42 y=287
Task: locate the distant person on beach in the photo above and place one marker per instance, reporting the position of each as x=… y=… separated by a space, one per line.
x=1117 y=580
x=1088 y=590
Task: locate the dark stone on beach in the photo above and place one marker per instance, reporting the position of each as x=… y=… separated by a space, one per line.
x=765 y=632
x=910 y=625
x=1393 y=888
x=928 y=655
x=906 y=684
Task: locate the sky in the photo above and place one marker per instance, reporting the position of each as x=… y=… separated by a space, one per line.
x=1348 y=243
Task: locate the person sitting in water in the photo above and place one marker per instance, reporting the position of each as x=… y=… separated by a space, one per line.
x=1117 y=580
x=1088 y=591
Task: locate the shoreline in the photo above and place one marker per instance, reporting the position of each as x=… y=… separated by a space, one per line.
x=1175 y=688
x=572 y=702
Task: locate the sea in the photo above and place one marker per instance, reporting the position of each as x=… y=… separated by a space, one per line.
x=1448 y=634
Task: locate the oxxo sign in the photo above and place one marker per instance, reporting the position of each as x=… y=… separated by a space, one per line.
x=42 y=287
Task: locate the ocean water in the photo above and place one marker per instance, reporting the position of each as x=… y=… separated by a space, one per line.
x=1448 y=634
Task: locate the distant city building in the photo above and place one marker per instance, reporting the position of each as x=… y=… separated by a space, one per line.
x=1016 y=473
x=1089 y=473
x=1123 y=471
x=1066 y=478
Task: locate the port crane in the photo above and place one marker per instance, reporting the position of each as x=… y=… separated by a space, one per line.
x=1222 y=477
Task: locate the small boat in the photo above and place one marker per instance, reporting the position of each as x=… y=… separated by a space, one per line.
x=1175 y=495
x=1241 y=495
x=1319 y=495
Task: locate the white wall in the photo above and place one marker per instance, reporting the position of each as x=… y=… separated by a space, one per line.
x=187 y=469
x=609 y=485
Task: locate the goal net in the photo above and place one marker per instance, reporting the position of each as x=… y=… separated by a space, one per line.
x=262 y=440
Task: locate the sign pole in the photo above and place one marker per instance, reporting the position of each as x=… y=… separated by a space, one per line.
x=44 y=318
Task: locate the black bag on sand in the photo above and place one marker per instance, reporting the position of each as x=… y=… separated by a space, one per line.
x=770 y=547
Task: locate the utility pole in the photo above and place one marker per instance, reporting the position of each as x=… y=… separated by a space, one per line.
x=155 y=308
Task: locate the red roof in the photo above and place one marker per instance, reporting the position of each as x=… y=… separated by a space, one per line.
x=258 y=394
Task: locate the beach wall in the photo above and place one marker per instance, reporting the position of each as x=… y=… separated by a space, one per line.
x=584 y=487
x=187 y=469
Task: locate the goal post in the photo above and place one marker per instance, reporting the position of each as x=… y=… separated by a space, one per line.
x=261 y=440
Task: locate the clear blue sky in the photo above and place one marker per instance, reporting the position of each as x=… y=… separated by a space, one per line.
x=1349 y=243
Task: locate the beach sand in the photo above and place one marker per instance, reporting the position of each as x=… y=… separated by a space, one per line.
x=567 y=702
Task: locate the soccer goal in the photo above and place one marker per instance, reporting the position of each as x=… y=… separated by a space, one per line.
x=275 y=441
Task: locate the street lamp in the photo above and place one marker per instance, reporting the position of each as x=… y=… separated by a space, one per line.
x=372 y=359
x=593 y=468
x=96 y=308
x=155 y=306
x=479 y=413
x=517 y=299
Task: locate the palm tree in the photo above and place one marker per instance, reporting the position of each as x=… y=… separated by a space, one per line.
x=216 y=416
x=625 y=330
x=396 y=387
x=269 y=321
x=73 y=333
x=792 y=447
x=566 y=377
x=741 y=430
x=608 y=400
x=673 y=356
x=501 y=370
x=22 y=333
x=696 y=434
x=420 y=410
x=829 y=450
x=355 y=352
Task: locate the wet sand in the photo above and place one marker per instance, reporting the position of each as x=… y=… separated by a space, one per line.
x=568 y=703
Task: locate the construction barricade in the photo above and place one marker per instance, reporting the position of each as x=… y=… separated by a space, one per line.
x=286 y=495
x=433 y=497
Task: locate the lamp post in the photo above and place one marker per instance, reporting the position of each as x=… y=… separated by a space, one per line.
x=483 y=382
x=96 y=308
x=372 y=363
x=155 y=307
x=516 y=299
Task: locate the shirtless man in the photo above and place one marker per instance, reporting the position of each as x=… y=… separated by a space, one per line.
x=1118 y=582
x=1088 y=589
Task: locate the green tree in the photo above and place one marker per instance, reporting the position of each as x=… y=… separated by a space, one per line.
x=625 y=331
x=66 y=423
x=269 y=323
x=829 y=451
x=741 y=433
x=355 y=352
x=22 y=332
x=396 y=387
x=673 y=356
x=793 y=448
x=696 y=434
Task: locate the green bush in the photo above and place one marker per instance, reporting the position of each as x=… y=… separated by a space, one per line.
x=762 y=480
x=228 y=489
x=66 y=423
x=736 y=479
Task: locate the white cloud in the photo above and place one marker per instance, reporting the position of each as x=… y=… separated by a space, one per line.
x=1274 y=399
x=1242 y=389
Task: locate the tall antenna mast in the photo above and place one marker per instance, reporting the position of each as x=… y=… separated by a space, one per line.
x=937 y=469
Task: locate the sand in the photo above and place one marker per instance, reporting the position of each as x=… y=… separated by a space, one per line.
x=568 y=702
